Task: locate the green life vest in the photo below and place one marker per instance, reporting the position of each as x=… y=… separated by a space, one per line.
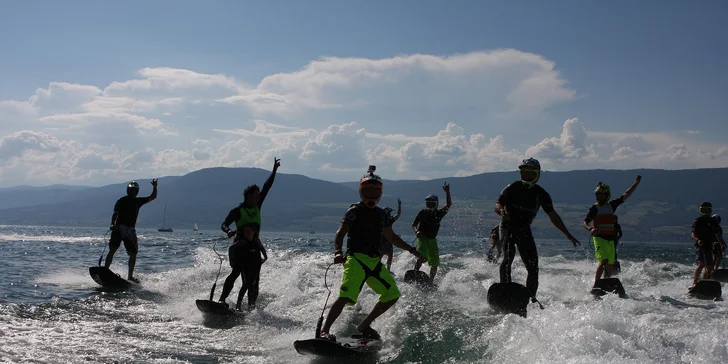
x=248 y=216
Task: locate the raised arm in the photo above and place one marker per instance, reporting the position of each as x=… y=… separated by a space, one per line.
x=399 y=211
x=631 y=189
x=448 y=202
x=153 y=196
x=269 y=182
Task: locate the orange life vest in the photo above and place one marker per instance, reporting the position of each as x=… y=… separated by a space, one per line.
x=605 y=220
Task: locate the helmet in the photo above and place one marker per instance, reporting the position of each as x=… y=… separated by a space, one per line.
x=132 y=188
x=603 y=189
x=431 y=201
x=370 y=188
x=716 y=217
x=705 y=208
x=530 y=165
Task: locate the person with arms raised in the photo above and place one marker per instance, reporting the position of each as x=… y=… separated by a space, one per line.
x=426 y=226
x=363 y=224
x=518 y=205
x=123 y=224
x=604 y=231
x=245 y=253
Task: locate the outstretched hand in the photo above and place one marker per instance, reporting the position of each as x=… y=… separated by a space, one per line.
x=276 y=163
x=399 y=202
x=154 y=182
x=446 y=187
x=638 y=179
x=574 y=241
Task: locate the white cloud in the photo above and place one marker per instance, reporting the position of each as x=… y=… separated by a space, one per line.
x=507 y=81
x=414 y=116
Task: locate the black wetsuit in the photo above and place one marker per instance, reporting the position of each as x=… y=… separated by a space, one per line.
x=245 y=255
x=521 y=203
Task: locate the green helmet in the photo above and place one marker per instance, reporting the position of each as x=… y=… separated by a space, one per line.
x=603 y=189
x=705 y=208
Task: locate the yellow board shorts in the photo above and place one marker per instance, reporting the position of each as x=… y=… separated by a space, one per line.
x=379 y=279
x=428 y=247
x=604 y=250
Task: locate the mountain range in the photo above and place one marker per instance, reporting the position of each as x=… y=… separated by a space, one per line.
x=662 y=208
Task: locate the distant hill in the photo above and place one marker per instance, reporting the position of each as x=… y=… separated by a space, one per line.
x=661 y=209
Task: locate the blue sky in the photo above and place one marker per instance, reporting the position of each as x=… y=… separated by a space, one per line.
x=94 y=92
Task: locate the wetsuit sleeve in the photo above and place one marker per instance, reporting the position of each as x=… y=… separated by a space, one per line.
x=503 y=198
x=546 y=204
x=266 y=187
x=117 y=205
x=141 y=201
x=350 y=216
x=442 y=212
x=695 y=224
x=417 y=218
x=616 y=202
x=590 y=214
x=233 y=215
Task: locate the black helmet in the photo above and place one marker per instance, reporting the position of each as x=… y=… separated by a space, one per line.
x=705 y=208
x=132 y=188
x=431 y=201
x=530 y=164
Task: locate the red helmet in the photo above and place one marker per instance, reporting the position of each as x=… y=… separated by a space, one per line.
x=370 y=188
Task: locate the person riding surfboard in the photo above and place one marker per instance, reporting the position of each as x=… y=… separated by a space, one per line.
x=518 y=205
x=426 y=226
x=603 y=229
x=123 y=225
x=245 y=253
x=704 y=232
x=363 y=224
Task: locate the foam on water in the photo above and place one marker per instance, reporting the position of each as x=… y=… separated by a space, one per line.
x=159 y=323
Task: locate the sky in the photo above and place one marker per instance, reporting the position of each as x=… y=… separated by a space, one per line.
x=93 y=93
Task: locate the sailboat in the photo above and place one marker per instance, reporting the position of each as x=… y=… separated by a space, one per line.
x=195 y=228
x=164 y=229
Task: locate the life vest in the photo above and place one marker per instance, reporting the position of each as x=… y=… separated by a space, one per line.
x=605 y=220
x=366 y=230
x=248 y=216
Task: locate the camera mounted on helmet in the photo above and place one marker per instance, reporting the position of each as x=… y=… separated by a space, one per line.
x=431 y=201
x=370 y=188
x=530 y=171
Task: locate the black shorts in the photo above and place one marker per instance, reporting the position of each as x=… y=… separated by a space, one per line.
x=128 y=236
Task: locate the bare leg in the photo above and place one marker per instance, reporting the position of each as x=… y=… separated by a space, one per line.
x=608 y=270
x=132 y=263
x=334 y=313
x=697 y=273
x=418 y=265
x=378 y=310
x=110 y=256
x=433 y=272
x=389 y=261
x=598 y=275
